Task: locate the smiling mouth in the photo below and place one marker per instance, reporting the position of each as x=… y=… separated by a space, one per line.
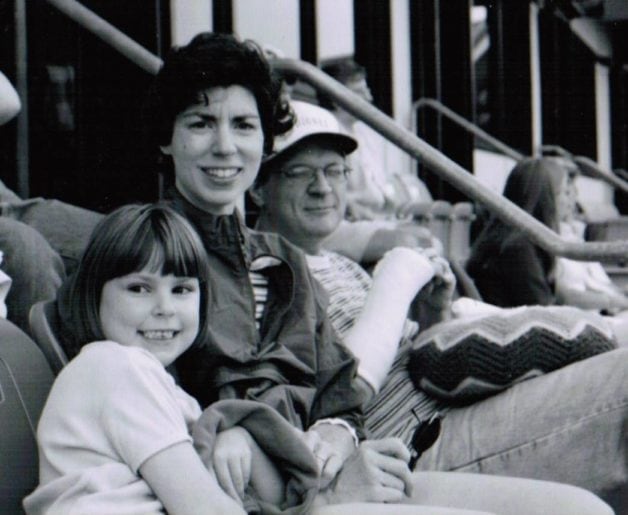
x=166 y=334
x=320 y=208
x=221 y=174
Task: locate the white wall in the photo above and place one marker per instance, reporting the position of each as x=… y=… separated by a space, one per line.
x=401 y=63
x=188 y=18
x=269 y=22
x=535 y=77
x=492 y=169
x=401 y=78
x=589 y=190
x=334 y=25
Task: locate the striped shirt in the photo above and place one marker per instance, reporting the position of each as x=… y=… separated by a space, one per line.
x=395 y=409
x=259 y=282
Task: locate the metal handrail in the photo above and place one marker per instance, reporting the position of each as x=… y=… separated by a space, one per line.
x=404 y=139
x=465 y=124
x=590 y=168
x=111 y=35
x=586 y=165
x=449 y=170
x=621 y=173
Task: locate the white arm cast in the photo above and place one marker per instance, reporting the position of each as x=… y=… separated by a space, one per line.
x=375 y=336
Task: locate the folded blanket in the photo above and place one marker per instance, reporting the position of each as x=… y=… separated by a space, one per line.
x=469 y=358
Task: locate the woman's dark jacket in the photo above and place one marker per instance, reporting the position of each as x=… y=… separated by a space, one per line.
x=512 y=272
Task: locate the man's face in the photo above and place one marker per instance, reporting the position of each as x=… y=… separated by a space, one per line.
x=308 y=208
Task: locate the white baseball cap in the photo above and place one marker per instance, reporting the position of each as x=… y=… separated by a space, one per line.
x=312 y=122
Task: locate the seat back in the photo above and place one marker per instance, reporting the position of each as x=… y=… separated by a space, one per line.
x=460 y=232
x=440 y=222
x=25 y=380
x=43 y=321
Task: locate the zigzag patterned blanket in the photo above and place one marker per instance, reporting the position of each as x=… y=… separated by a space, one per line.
x=465 y=360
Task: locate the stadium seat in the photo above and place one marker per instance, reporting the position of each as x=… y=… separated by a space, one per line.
x=42 y=321
x=25 y=380
x=440 y=222
x=460 y=232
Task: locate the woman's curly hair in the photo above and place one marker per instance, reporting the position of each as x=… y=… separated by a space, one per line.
x=213 y=60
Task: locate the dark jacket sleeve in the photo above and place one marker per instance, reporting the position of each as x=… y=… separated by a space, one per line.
x=525 y=276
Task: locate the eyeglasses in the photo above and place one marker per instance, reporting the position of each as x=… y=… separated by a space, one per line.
x=335 y=173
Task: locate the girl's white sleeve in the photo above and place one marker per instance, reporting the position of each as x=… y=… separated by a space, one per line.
x=145 y=411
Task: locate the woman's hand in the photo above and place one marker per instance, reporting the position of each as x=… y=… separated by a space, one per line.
x=331 y=445
x=232 y=461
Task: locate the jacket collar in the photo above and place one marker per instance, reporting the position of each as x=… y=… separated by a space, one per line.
x=223 y=235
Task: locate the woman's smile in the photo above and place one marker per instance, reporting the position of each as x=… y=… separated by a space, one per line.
x=221 y=173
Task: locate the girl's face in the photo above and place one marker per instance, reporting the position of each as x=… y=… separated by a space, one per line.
x=566 y=199
x=217 y=149
x=159 y=313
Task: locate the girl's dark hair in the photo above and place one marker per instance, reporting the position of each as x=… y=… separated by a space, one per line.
x=129 y=240
x=531 y=185
x=213 y=60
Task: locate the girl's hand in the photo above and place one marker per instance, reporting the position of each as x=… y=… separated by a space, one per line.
x=232 y=461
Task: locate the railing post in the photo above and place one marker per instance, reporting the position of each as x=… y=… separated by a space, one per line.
x=109 y=34
x=21 y=66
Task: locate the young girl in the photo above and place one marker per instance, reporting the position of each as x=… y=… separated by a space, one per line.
x=509 y=269
x=114 y=435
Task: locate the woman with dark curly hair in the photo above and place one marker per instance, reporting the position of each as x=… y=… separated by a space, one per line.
x=212 y=112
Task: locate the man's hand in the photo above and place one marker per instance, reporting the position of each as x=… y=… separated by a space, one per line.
x=438 y=293
x=404 y=272
x=376 y=472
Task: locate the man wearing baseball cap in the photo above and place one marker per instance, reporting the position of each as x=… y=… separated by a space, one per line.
x=301 y=191
x=362 y=241
x=316 y=135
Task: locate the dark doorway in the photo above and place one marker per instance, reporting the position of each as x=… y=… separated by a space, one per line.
x=85 y=103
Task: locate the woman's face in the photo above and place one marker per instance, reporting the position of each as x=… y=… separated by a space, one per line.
x=217 y=149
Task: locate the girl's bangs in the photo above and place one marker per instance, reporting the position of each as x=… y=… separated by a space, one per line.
x=175 y=256
x=157 y=246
